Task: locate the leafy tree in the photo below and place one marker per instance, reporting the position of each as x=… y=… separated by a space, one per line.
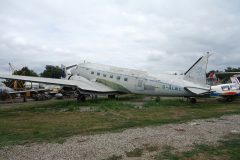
x=230 y=69
x=25 y=71
x=52 y=72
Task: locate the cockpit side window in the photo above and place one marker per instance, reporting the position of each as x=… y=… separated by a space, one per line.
x=233 y=87
x=225 y=88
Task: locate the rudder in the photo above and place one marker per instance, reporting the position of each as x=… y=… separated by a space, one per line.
x=197 y=72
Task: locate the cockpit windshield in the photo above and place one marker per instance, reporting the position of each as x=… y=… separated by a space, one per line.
x=225 y=88
x=233 y=87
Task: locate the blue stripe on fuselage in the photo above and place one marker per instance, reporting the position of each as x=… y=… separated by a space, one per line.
x=214 y=94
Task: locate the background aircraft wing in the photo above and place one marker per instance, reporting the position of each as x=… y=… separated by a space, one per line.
x=31 y=90
x=84 y=85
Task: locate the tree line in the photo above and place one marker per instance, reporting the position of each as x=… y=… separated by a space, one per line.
x=50 y=71
x=221 y=76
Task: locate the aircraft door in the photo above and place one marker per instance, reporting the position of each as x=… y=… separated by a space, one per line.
x=140 y=84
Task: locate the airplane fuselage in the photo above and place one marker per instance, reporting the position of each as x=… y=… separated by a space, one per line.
x=229 y=89
x=132 y=81
x=4 y=89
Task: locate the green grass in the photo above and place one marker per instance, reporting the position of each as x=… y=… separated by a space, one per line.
x=167 y=154
x=137 y=152
x=151 y=148
x=227 y=149
x=55 y=120
x=113 y=157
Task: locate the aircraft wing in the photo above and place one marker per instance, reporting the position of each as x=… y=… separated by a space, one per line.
x=84 y=85
x=32 y=90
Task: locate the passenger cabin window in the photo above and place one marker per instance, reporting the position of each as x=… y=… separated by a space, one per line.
x=111 y=76
x=118 y=77
x=125 y=79
x=98 y=74
x=104 y=75
x=140 y=83
x=92 y=72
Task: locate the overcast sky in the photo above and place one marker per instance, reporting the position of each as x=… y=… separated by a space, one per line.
x=152 y=35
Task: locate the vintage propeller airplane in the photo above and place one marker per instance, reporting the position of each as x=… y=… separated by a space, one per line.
x=97 y=79
x=227 y=91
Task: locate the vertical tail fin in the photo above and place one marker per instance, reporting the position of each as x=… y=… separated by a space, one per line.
x=197 y=72
x=236 y=79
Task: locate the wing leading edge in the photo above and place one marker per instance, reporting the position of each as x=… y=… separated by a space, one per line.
x=82 y=84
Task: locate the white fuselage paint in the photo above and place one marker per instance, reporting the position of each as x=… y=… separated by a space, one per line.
x=4 y=88
x=135 y=81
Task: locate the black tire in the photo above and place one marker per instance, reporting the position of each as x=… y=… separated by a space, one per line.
x=229 y=99
x=193 y=100
x=81 y=98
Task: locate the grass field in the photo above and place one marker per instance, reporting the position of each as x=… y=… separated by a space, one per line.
x=229 y=148
x=55 y=120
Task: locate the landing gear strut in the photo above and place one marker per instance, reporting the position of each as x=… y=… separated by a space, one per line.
x=229 y=99
x=111 y=96
x=94 y=97
x=81 y=98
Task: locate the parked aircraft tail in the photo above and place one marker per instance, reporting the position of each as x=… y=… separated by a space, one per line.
x=197 y=72
x=236 y=79
x=64 y=70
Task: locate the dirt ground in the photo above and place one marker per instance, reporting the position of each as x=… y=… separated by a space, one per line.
x=180 y=136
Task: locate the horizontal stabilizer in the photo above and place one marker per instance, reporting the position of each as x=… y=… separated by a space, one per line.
x=198 y=91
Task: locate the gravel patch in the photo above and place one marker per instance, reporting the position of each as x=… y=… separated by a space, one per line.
x=180 y=136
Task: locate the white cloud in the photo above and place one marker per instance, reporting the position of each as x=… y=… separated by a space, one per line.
x=154 y=35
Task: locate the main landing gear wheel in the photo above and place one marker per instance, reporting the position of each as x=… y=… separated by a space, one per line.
x=229 y=99
x=81 y=98
x=193 y=100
